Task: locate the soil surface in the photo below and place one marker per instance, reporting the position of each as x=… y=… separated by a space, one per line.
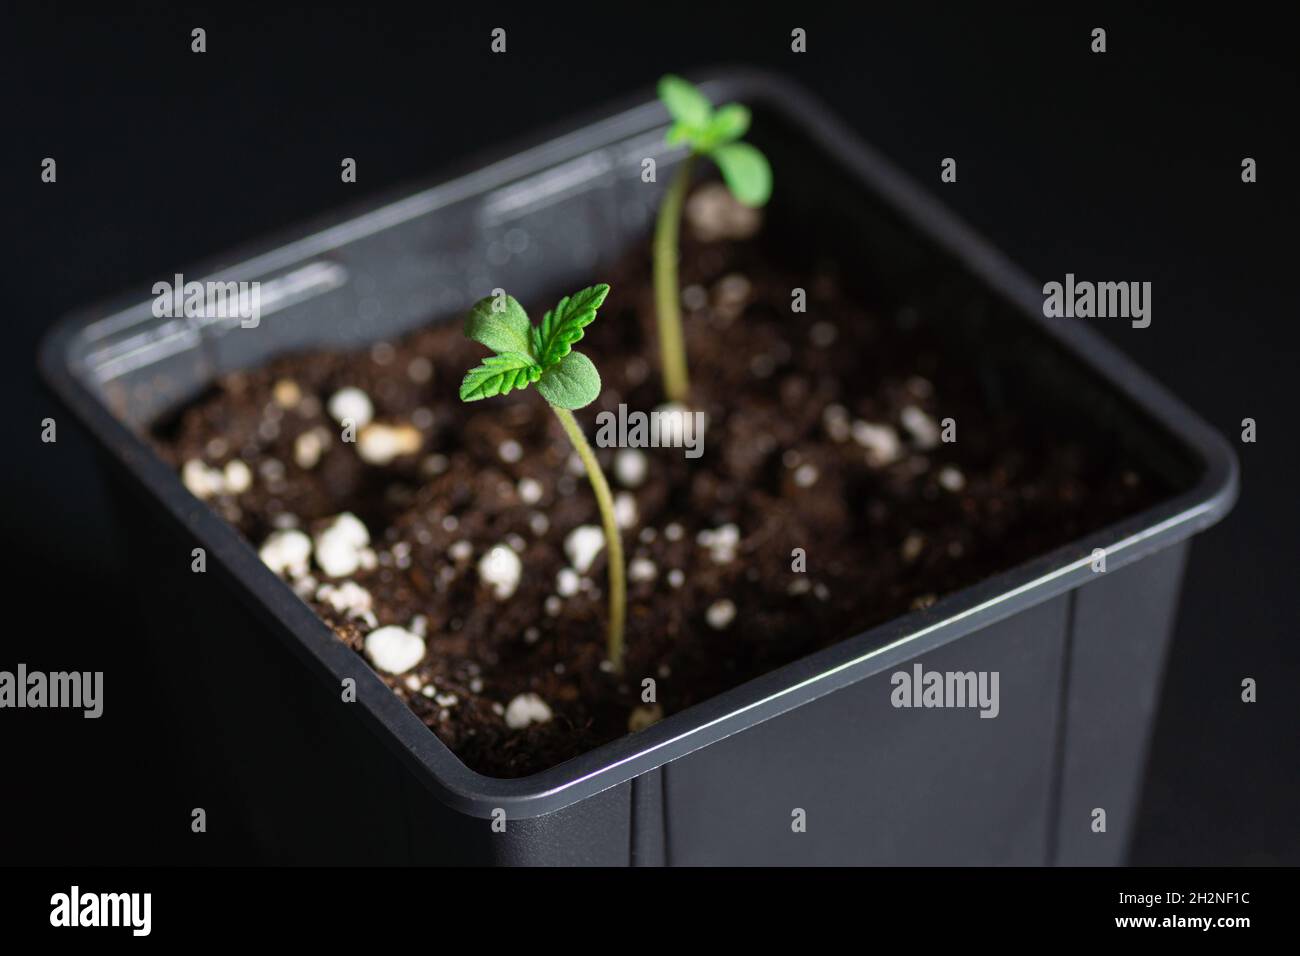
x=824 y=434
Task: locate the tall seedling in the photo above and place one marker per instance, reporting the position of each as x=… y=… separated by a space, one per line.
x=714 y=134
x=542 y=355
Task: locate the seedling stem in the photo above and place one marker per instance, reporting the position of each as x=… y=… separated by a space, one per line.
x=672 y=350
x=613 y=540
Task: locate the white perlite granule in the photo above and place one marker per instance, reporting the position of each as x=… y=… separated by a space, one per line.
x=922 y=428
x=286 y=552
x=394 y=649
x=340 y=546
x=202 y=481
x=805 y=476
x=238 y=476
x=567 y=582
x=529 y=490
x=379 y=444
x=720 y=614
x=500 y=568
x=625 y=510
x=721 y=542
x=286 y=393
x=308 y=448
x=951 y=479
x=582 y=545
x=347 y=598
x=351 y=405
x=880 y=441
x=526 y=709
x=630 y=467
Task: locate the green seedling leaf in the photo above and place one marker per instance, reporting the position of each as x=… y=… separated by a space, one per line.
x=499 y=375
x=716 y=134
x=728 y=124
x=563 y=325
x=746 y=171
x=571 y=383
x=527 y=354
x=685 y=103
x=500 y=323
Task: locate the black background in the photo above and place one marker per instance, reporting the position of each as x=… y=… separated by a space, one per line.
x=1124 y=165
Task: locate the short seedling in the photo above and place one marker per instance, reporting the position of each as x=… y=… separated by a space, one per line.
x=543 y=355
x=715 y=134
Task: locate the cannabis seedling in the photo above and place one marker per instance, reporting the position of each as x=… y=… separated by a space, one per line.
x=543 y=355
x=715 y=134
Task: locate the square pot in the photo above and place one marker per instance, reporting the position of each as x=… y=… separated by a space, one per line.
x=1079 y=653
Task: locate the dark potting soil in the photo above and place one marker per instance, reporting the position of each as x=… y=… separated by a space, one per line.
x=824 y=434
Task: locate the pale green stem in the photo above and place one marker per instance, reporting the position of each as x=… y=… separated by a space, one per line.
x=672 y=350
x=613 y=542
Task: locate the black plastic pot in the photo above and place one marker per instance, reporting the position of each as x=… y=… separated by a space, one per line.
x=1079 y=653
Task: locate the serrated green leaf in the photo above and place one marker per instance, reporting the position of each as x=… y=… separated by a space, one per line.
x=500 y=323
x=685 y=103
x=499 y=375
x=571 y=383
x=746 y=171
x=728 y=124
x=563 y=325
